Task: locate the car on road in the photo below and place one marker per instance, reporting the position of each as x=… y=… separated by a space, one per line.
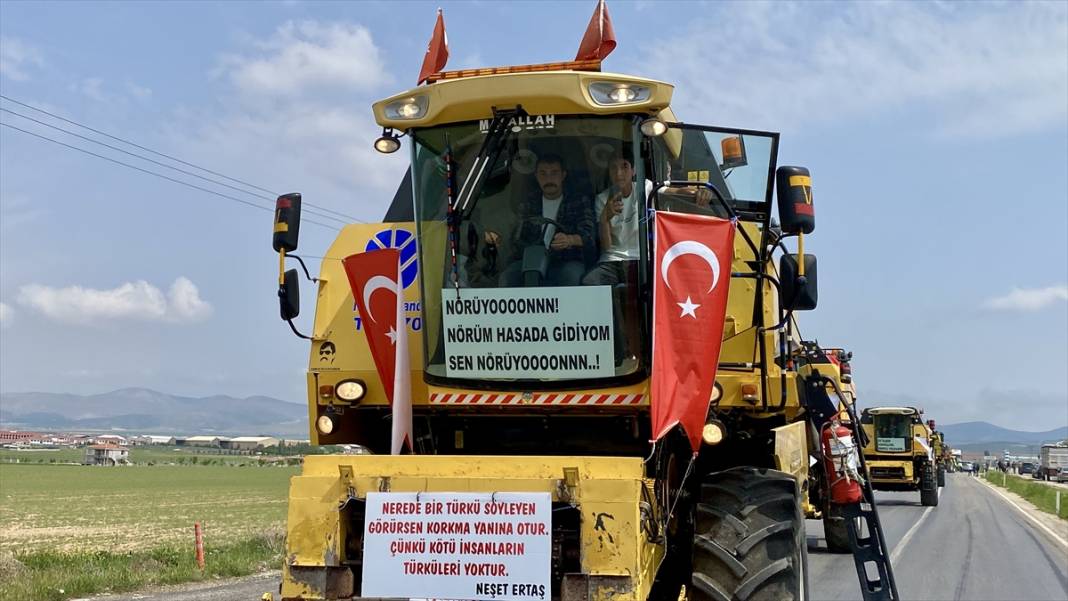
x=967 y=466
x=1027 y=468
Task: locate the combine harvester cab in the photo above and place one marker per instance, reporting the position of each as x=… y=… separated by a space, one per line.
x=490 y=352
x=900 y=452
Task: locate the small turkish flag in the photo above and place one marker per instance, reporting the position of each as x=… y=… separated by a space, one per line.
x=691 y=281
x=600 y=39
x=437 y=52
x=374 y=278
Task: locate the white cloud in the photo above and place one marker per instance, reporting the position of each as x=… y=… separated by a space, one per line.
x=6 y=315
x=308 y=54
x=299 y=117
x=186 y=304
x=979 y=68
x=132 y=300
x=17 y=58
x=1029 y=299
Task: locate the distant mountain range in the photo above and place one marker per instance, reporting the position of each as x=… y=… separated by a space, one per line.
x=983 y=432
x=148 y=411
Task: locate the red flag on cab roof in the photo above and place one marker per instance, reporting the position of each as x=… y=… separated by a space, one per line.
x=386 y=331
x=600 y=39
x=693 y=273
x=437 y=52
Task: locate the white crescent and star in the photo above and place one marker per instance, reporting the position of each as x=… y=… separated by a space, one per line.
x=376 y=282
x=690 y=247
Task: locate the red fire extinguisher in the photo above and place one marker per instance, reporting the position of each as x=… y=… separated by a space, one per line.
x=842 y=463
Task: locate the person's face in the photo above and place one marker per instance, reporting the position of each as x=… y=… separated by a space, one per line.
x=550 y=178
x=621 y=174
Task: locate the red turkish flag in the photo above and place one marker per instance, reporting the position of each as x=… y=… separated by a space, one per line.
x=375 y=280
x=437 y=52
x=691 y=280
x=600 y=39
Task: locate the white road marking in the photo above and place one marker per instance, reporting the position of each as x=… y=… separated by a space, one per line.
x=905 y=539
x=1027 y=515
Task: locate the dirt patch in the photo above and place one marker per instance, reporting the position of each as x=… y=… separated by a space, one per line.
x=11 y=568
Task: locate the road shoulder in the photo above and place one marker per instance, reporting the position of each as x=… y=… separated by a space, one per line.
x=1050 y=526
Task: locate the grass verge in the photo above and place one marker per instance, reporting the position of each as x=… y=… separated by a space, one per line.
x=1041 y=495
x=54 y=576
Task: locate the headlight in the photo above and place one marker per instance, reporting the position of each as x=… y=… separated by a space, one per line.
x=413 y=107
x=350 y=390
x=606 y=93
x=325 y=424
x=714 y=432
x=717 y=393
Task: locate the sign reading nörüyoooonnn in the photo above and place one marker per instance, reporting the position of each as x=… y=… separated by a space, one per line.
x=553 y=333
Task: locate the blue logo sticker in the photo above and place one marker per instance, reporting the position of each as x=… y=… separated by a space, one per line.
x=404 y=241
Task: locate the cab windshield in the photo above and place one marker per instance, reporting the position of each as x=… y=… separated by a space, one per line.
x=531 y=270
x=893 y=433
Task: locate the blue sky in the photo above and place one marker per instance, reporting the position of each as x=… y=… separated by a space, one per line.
x=937 y=135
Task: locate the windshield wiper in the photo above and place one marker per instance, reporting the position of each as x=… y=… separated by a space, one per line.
x=486 y=158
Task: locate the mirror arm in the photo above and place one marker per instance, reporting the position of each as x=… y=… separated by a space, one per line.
x=295 y=331
x=307 y=274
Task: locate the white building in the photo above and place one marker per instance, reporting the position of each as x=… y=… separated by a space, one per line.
x=250 y=443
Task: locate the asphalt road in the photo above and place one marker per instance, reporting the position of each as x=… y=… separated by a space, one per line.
x=973 y=546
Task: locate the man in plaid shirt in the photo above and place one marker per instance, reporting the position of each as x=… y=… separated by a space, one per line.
x=572 y=246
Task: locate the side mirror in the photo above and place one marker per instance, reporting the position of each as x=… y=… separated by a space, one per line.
x=797 y=292
x=286 y=222
x=794 y=188
x=289 y=295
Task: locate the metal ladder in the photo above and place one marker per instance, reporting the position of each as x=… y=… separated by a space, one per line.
x=869 y=549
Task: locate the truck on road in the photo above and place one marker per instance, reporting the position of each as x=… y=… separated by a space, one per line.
x=1053 y=462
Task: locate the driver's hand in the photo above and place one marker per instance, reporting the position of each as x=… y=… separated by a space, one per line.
x=492 y=238
x=560 y=241
x=704 y=197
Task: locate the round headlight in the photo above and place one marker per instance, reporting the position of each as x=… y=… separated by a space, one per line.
x=717 y=393
x=325 y=424
x=387 y=145
x=714 y=432
x=654 y=127
x=350 y=390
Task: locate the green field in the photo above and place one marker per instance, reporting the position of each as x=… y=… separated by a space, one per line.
x=1044 y=496
x=87 y=529
x=69 y=507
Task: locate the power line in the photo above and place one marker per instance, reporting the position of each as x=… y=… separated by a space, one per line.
x=164 y=165
x=159 y=175
x=167 y=156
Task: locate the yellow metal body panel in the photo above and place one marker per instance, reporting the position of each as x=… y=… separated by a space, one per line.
x=608 y=492
x=546 y=93
x=908 y=478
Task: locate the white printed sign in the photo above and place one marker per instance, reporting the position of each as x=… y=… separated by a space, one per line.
x=553 y=333
x=478 y=546
x=890 y=444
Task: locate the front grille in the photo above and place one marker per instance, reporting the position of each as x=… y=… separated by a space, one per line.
x=896 y=473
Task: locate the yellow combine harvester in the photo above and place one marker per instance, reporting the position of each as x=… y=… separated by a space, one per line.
x=901 y=452
x=532 y=474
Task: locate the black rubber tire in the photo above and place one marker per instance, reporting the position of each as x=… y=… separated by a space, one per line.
x=836 y=533
x=928 y=487
x=749 y=540
x=941 y=477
